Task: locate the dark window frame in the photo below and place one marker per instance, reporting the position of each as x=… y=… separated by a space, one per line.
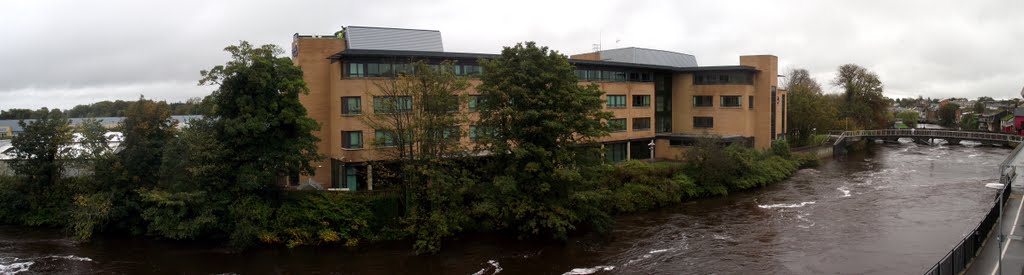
x=703 y=122
x=347 y=143
x=617 y=104
x=729 y=104
x=345 y=110
x=643 y=125
x=643 y=100
x=703 y=101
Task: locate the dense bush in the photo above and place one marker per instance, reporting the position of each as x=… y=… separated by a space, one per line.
x=319 y=218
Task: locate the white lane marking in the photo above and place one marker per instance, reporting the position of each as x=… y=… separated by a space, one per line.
x=1007 y=245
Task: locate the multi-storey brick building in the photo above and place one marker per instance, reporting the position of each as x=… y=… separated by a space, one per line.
x=656 y=96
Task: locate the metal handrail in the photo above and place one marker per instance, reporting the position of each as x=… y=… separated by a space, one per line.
x=933 y=134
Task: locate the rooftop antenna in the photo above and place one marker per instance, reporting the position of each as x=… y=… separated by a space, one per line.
x=597 y=47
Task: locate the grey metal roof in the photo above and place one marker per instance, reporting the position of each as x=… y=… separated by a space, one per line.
x=376 y=38
x=649 y=56
x=1018 y=111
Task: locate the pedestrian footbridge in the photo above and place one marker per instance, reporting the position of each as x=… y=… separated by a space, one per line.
x=924 y=136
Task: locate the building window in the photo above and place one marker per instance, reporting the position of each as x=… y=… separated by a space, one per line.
x=750 y=102
x=377 y=69
x=703 y=122
x=641 y=123
x=356 y=70
x=617 y=125
x=351 y=105
x=391 y=104
x=703 y=101
x=724 y=78
x=616 y=101
x=472 y=70
x=384 y=138
x=615 y=152
x=641 y=101
x=352 y=139
x=472 y=133
x=731 y=101
x=350 y=180
x=474 y=103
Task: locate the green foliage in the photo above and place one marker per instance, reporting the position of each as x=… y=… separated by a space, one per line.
x=948 y=113
x=863 y=99
x=257 y=101
x=117 y=108
x=969 y=121
x=536 y=114
x=780 y=148
x=39 y=161
x=319 y=218
x=809 y=111
x=910 y=118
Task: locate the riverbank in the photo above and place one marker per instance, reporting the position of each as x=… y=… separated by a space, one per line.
x=450 y=210
x=896 y=207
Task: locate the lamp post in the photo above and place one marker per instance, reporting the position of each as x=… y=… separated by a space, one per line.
x=651 y=146
x=999 y=249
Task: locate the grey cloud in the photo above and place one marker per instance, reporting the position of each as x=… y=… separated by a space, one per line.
x=62 y=53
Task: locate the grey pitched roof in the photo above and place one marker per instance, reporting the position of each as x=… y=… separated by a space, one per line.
x=376 y=38
x=649 y=56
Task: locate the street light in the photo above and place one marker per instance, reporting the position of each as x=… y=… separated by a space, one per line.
x=999 y=249
x=651 y=146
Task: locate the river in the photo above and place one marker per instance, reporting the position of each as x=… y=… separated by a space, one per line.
x=895 y=209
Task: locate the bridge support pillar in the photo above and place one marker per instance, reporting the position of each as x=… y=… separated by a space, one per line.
x=922 y=141
x=952 y=141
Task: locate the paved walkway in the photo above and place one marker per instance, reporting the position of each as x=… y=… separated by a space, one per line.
x=1012 y=249
x=987 y=262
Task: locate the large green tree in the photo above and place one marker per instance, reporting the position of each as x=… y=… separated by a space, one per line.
x=909 y=117
x=947 y=114
x=863 y=100
x=536 y=119
x=809 y=110
x=41 y=155
x=415 y=121
x=260 y=121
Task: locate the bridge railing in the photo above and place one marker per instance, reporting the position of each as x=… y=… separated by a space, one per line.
x=934 y=134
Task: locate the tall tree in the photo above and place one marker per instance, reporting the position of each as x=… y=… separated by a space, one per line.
x=41 y=153
x=416 y=114
x=947 y=114
x=910 y=118
x=536 y=118
x=862 y=91
x=260 y=120
x=147 y=128
x=809 y=110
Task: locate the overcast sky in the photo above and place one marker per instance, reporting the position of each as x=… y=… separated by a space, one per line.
x=64 y=53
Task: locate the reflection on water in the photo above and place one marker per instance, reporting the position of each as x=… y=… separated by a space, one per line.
x=895 y=209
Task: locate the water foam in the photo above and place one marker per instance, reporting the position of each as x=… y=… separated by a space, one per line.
x=656 y=251
x=845 y=190
x=493 y=263
x=782 y=205
x=590 y=270
x=71 y=257
x=15 y=268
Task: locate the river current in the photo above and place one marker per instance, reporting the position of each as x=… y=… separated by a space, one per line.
x=894 y=209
